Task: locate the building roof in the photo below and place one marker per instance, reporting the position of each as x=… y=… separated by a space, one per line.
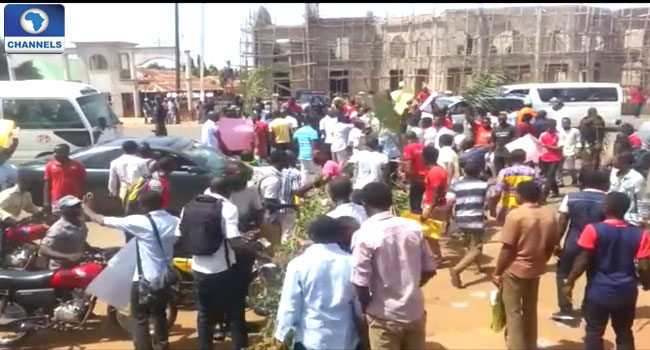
x=103 y=43
x=163 y=80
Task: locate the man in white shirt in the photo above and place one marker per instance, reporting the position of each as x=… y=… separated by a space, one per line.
x=448 y=159
x=569 y=141
x=155 y=246
x=126 y=170
x=15 y=200
x=293 y=122
x=340 y=190
x=370 y=165
x=325 y=127
x=627 y=180
x=414 y=125
x=340 y=133
x=216 y=279
x=209 y=132
x=318 y=301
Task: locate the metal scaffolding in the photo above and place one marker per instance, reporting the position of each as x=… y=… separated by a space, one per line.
x=446 y=51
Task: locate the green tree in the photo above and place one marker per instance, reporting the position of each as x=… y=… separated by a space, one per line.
x=27 y=71
x=212 y=70
x=254 y=85
x=485 y=86
x=155 y=65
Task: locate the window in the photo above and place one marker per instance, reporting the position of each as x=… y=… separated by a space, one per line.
x=98 y=62
x=125 y=66
x=42 y=114
x=99 y=160
x=580 y=94
x=342 y=49
x=398 y=47
x=96 y=107
x=519 y=91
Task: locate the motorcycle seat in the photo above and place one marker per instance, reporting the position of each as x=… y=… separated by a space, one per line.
x=19 y=279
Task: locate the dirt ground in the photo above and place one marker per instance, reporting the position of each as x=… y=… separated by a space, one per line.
x=456 y=319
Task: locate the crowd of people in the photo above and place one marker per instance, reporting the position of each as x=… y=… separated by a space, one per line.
x=357 y=282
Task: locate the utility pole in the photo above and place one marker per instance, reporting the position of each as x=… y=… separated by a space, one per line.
x=202 y=63
x=178 y=53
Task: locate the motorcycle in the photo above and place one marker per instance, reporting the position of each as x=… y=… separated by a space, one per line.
x=263 y=273
x=17 y=244
x=49 y=299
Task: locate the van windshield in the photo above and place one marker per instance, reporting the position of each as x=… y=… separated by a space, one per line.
x=95 y=107
x=588 y=94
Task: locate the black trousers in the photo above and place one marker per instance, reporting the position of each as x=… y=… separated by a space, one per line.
x=637 y=109
x=549 y=169
x=499 y=163
x=217 y=294
x=597 y=315
x=564 y=266
x=141 y=314
x=416 y=192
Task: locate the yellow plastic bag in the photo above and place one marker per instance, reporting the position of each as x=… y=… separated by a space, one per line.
x=6 y=131
x=498 y=311
x=430 y=228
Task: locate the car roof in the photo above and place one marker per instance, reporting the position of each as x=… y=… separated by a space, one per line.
x=45 y=89
x=560 y=85
x=165 y=142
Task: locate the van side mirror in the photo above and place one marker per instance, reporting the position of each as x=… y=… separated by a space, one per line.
x=619 y=122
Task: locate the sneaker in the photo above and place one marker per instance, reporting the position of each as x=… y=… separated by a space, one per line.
x=563 y=316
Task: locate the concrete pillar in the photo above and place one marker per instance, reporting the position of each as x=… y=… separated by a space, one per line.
x=136 y=90
x=538 y=48
x=188 y=82
x=66 y=67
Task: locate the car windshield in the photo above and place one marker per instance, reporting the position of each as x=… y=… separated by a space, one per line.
x=442 y=102
x=306 y=98
x=95 y=107
x=205 y=157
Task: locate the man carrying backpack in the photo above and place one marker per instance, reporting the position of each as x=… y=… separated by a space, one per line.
x=208 y=224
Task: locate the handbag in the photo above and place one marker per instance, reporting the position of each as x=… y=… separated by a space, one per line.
x=146 y=289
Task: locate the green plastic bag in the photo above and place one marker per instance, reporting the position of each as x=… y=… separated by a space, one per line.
x=498 y=311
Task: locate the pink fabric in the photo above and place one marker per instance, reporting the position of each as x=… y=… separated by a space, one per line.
x=331 y=168
x=237 y=134
x=389 y=254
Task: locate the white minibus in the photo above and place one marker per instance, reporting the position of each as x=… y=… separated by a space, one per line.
x=49 y=112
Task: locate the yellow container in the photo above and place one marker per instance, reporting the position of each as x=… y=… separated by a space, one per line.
x=6 y=130
x=430 y=228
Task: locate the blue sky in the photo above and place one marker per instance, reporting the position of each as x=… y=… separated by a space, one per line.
x=147 y=24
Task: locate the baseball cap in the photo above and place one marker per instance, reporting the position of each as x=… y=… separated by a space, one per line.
x=67 y=202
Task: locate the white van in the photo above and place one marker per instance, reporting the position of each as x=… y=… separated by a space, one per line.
x=50 y=112
x=607 y=98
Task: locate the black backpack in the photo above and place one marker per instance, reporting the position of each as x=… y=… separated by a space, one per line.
x=201 y=231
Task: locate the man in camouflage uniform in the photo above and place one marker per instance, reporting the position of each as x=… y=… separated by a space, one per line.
x=592 y=130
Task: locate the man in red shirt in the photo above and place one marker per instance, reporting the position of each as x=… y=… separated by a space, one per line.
x=435 y=192
x=414 y=170
x=628 y=130
x=551 y=157
x=160 y=179
x=63 y=176
x=261 y=130
x=292 y=107
x=423 y=95
x=525 y=127
x=637 y=99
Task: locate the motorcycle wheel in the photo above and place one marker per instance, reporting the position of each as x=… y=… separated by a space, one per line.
x=257 y=292
x=121 y=319
x=8 y=338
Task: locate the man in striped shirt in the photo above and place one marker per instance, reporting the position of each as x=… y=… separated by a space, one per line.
x=468 y=197
x=508 y=180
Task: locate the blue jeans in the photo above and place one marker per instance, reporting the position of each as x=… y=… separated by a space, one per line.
x=597 y=315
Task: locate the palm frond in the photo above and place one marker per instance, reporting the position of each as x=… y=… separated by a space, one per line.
x=483 y=87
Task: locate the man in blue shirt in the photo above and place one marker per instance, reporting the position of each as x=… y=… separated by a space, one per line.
x=318 y=300
x=608 y=253
x=578 y=209
x=307 y=139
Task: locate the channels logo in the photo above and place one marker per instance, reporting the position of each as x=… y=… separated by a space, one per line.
x=34 y=28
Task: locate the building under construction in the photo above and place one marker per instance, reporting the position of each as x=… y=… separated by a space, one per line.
x=444 y=51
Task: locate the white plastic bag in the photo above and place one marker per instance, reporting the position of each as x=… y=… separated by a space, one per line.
x=113 y=284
